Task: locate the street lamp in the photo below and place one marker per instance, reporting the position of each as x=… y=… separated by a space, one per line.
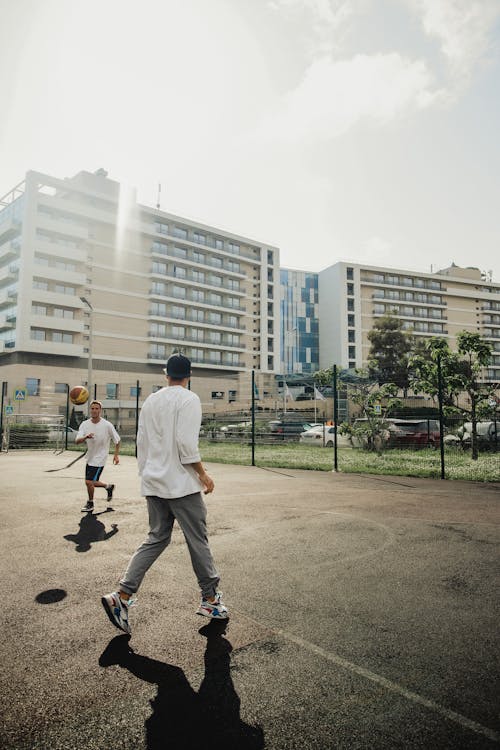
x=89 y=375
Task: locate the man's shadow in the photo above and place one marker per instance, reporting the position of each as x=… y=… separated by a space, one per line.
x=183 y=718
x=91 y=530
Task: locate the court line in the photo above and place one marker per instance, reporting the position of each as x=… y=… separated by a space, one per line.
x=447 y=713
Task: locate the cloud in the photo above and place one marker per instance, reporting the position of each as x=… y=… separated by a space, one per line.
x=462 y=27
x=335 y=95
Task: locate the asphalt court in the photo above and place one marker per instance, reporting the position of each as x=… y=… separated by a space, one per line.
x=364 y=614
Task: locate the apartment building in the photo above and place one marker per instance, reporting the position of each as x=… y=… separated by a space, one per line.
x=299 y=314
x=86 y=271
x=353 y=296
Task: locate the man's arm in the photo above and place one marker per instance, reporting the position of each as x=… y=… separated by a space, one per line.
x=116 y=457
x=204 y=478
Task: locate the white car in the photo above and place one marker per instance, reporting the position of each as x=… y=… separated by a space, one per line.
x=319 y=435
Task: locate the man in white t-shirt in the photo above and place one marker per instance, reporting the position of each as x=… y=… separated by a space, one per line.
x=97 y=432
x=172 y=477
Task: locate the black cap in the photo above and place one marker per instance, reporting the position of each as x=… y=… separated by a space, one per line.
x=178 y=366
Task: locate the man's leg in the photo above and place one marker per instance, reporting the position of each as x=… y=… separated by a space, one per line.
x=161 y=521
x=191 y=514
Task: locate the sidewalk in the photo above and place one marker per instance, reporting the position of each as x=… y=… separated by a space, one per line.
x=363 y=614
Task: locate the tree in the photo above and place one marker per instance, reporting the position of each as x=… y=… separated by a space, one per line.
x=461 y=372
x=375 y=403
x=389 y=352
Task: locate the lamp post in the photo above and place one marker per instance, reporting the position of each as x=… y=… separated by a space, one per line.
x=89 y=359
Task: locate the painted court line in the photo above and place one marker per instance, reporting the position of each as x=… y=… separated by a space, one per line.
x=394 y=687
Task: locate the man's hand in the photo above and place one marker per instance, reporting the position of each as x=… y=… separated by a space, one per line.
x=116 y=459
x=208 y=483
x=89 y=436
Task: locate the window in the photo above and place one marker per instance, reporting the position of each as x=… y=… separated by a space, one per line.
x=179 y=272
x=219 y=244
x=159 y=267
x=178 y=332
x=233 y=265
x=216 y=262
x=63 y=289
x=199 y=238
x=352 y=365
x=351 y=336
x=111 y=390
x=41 y=261
x=232 y=339
x=161 y=228
x=179 y=292
x=352 y=352
x=60 y=387
x=62 y=338
x=61 y=312
x=214 y=337
x=158 y=329
x=215 y=280
x=159 y=288
x=378 y=309
x=350 y=289
x=198 y=257
x=217 y=394
x=180 y=252
x=38 y=284
x=157 y=351
x=33 y=386
x=38 y=334
x=350 y=305
x=65 y=266
x=350 y=320
x=198 y=315
x=176 y=311
x=350 y=273
x=215 y=318
x=135 y=391
x=197 y=355
x=160 y=247
x=231 y=358
x=215 y=299
x=215 y=357
x=270 y=257
x=233 y=248
x=180 y=232
x=232 y=396
x=38 y=310
x=232 y=321
x=197 y=334
x=197 y=295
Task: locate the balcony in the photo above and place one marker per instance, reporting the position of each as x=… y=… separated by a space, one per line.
x=10 y=229
x=10 y=250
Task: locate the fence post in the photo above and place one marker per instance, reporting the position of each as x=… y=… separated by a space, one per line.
x=335 y=418
x=253 y=417
x=67 y=419
x=441 y=425
x=136 y=413
x=4 y=389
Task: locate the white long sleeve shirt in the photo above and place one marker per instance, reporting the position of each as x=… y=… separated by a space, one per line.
x=167 y=442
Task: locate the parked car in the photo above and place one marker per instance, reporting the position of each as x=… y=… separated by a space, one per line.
x=487 y=435
x=414 y=433
x=286 y=427
x=324 y=435
x=58 y=434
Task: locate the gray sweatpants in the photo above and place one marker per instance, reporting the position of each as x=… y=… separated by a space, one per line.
x=191 y=513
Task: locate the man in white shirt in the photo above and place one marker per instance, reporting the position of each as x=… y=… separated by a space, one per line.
x=172 y=477
x=97 y=432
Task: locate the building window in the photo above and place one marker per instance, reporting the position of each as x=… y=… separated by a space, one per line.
x=159 y=267
x=179 y=292
x=350 y=273
x=159 y=308
x=178 y=332
x=350 y=305
x=160 y=247
x=233 y=265
x=214 y=337
x=216 y=262
x=38 y=334
x=62 y=338
x=215 y=299
x=233 y=248
x=351 y=336
x=198 y=257
x=159 y=288
x=180 y=233
x=197 y=295
x=217 y=394
x=352 y=352
x=199 y=238
x=38 y=310
x=135 y=391
x=179 y=272
x=270 y=257
x=215 y=318
x=352 y=365
x=161 y=228
x=215 y=357
x=33 y=386
x=158 y=329
x=112 y=390
x=38 y=284
x=350 y=289
x=63 y=289
x=61 y=312
x=350 y=320
x=60 y=387
x=219 y=244
x=232 y=396
x=198 y=315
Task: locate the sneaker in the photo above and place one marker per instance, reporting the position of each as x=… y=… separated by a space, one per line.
x=89 y=507
x=216 y=609
x=109 y=490
x=117 y=610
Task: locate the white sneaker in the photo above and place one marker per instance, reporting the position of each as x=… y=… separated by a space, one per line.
x=215 y=610
x=117 y=610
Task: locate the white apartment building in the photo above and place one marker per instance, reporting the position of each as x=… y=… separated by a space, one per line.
x=352 y=296
x=84 y=267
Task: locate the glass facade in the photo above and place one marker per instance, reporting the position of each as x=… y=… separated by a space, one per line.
x=299 y=322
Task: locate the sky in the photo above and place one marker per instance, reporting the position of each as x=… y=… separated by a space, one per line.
x=358 y=130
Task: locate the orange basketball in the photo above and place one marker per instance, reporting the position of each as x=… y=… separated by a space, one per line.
x=78 y=395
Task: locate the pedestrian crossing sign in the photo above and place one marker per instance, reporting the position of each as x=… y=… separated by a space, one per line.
x=20 y=394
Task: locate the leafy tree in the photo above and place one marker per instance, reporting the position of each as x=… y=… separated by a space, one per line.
x=375 y=403
x=461 y=372
x=389 y=352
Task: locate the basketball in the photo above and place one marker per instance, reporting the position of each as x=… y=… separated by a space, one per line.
x=78 y=395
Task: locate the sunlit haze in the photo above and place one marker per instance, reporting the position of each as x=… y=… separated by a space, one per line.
x=361 y=130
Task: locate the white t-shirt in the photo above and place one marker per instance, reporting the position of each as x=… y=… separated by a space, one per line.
x=98 y=446
x=167 y=440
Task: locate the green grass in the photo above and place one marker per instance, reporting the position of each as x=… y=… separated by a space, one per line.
x=411 y=463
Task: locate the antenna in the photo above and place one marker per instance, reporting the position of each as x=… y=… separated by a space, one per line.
x=159 y=193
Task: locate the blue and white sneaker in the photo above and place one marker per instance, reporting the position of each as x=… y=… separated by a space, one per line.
x=216 y=610
x=117 y=610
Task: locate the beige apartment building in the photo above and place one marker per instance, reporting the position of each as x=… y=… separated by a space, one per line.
x=353 y=296
x=90 y=276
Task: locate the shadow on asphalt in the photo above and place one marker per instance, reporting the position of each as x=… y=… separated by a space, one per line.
x=183 y=718
x=91 y=530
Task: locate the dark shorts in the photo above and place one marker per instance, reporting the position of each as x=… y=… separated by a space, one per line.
x=93 y=473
